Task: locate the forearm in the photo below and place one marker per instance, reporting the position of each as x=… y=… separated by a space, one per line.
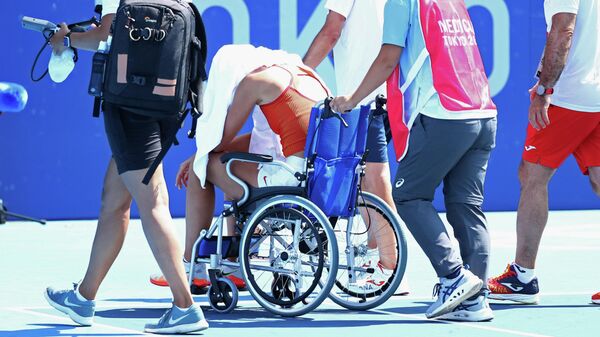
x=320 y=48
x=380 y=70
x=558 y=45
x=88 y=40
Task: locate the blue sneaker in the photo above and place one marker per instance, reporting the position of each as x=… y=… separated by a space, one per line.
x=477 y=310
x=452 y=292
x=175 y=321
x=66 y=301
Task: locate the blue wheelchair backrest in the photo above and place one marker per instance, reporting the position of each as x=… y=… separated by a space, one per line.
x=334 y=152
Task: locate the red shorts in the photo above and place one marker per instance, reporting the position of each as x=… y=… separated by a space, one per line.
x=569 y=132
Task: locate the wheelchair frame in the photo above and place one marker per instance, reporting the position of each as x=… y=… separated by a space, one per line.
x=260 y=196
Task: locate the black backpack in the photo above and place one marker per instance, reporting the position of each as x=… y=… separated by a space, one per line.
x=156 y=63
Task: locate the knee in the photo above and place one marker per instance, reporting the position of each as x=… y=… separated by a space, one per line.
x=115 y=203
x=530 y=180
x=376 y=182
x=377 y=177
x=214 y=166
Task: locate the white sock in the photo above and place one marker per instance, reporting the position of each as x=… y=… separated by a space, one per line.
x=524 y=275
x=79 y=296
x=183 y=309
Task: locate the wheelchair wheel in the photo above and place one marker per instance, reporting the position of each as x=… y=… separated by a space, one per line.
x=364 y=283
x=223 y=296
x=286 y=250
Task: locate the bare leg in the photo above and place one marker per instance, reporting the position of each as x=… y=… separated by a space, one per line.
x=110 y=232
x=199 y=208
x=153 y=203
x=200 y=203
x=377 y=181
x=595 y=179
x=532 y=214
x=217 y=174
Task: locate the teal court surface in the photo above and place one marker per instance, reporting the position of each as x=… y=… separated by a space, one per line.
x=34 y=256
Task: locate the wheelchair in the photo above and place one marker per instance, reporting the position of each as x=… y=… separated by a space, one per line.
x=301 y=245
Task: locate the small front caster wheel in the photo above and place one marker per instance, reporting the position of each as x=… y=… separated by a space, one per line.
x=223 y=296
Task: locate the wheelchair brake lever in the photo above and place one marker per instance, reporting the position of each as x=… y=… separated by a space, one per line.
x=339 y=116
x=329 y=113
x=380 y=102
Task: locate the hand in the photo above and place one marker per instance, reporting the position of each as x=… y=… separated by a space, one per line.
x=57 y=40
x=342 y=103
x=183 y=174
x=538 y=112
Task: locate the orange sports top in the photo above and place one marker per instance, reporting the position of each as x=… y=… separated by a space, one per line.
x=288 y=115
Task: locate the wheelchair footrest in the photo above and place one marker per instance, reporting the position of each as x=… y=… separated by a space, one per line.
x=206 y=247
x=231 y=247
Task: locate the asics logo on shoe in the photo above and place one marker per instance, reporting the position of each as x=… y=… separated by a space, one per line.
x=511 y=287
x=530 y=147
x=399 y=183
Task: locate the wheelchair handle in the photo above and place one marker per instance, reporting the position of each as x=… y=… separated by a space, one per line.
x=329 y=113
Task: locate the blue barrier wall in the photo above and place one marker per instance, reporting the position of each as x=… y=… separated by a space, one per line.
x=53 y=155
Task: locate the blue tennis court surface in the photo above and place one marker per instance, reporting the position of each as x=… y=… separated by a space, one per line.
x=33 y=257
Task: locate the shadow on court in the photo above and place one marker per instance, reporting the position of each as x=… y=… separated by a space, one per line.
x=259 y=318
x=507 y=306
x=44 y=330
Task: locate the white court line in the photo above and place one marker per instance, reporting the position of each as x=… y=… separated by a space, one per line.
x=141 y=304
x=125 y=305
x=62 y=318
x=470 y=325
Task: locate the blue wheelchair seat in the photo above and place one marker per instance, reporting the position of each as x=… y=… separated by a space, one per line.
x=334 y=152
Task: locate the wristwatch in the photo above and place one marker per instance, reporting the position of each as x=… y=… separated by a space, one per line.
x=67 y=40
x=543 y=91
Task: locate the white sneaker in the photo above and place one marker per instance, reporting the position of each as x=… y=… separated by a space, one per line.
x=371 y=282
x=477 y=310
x=452 y=292
x=372 y=257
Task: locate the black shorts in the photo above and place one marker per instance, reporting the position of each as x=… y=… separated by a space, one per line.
x=377 y=141
x=136 y=140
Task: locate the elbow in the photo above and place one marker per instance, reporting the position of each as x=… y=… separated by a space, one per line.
x=568 y=33
x=389 y=61
x=332 y=36
x=389 y=56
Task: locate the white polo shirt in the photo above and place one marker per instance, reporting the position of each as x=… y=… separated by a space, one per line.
x=579 y=85
x=359 y=43
x=109 y=6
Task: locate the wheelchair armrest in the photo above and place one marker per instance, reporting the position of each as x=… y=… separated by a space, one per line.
x=248 y=157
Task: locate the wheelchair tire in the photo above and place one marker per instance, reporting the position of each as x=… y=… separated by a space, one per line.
x=343 y=294
x=223 y=296
x=283 y=277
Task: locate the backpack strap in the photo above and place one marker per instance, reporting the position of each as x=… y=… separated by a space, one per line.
x=201 y=53
x=97 y=105
x=172 y=139
x=201 y=35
